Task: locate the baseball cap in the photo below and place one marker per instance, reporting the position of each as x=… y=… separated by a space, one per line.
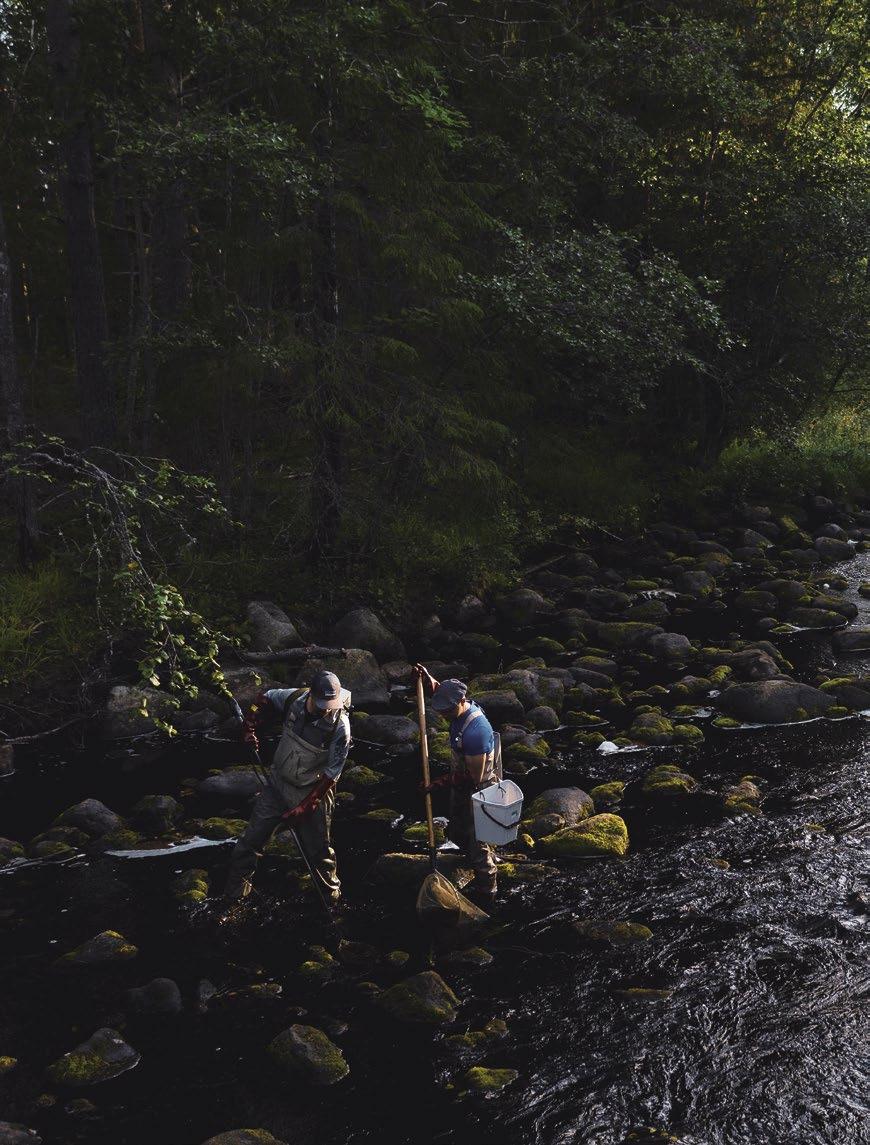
x=448 y=694
x=326 y=691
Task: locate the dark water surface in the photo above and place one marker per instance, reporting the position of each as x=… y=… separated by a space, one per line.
x=759 y=1032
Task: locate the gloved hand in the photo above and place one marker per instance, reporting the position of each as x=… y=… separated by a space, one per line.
x=458 y=779
x=429 y=681
x=309 y=804
x=257 y=713
x=249 y=735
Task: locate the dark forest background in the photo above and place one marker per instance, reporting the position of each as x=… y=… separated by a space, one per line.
x=413 y=284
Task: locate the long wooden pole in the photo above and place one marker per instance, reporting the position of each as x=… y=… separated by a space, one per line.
x=424 y=753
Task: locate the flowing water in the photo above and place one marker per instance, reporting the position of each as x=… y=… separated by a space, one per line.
x=744 y=1021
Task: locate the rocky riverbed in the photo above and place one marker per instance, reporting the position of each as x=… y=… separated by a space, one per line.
x=680 y=947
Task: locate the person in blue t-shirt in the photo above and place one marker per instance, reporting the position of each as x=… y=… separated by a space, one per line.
x=475 y=764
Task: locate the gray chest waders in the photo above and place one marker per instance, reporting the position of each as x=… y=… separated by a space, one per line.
x=296 y=767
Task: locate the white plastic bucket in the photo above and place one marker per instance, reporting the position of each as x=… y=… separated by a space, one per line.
x=497 y=812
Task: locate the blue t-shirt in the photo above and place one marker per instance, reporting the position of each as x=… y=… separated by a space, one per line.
x=478 y=737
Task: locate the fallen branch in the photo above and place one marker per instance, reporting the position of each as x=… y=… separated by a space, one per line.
x=44 y=735
x=292 y=654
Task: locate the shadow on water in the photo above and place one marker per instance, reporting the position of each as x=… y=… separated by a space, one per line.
x=744 y=1020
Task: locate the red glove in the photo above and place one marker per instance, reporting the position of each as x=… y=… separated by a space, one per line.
x=309 y=804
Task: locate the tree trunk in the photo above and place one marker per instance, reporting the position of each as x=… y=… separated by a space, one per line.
x=21 y=488
x=90 y=323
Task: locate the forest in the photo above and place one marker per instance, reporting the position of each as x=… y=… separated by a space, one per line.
x=354 y=302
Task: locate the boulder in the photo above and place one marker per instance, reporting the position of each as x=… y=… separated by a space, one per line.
x=621 y=635
x=271 y=628
x=669 y=782
x=90 y=816
x=774 y=701
x=815 y=618
x=422 y=999
x=542 y=717
x=307 y=1052
x=361 y=628
x=787 y=592
x=597 y=664
x=600 y=835
x=652 y=728
x=756 y=600
x=853 y=694
x=244 y=1137
x=485 y=1079
x=500 y=707
x=441 y=906
x=159 y=996
x=470 y=611
x=800 y=558
x=831 y=530
x=398 y=672
x=389 y=730
x=191 y=886
x=591 y=679
x=358 y=671
x=852 y=640
x=520 y=607
x=846 y=608
x=670 y=646
x=752 y=664
x=9 y=850
x=129 y=711
x=694 y=582
x=601 y=601
x=103 y=1056
x=556 y=809
x=13 y=1133
x=238 y=782
x=833 y=550
x=156 y=814
x=104 y=948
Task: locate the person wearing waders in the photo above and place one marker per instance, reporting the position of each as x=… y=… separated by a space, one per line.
x=300 y=792
x=476 y=763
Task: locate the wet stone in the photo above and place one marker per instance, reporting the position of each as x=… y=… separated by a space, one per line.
x=12 y=1133
x=600 y=835
x=159 y=996
x=424 y=998
x=104 y=948
x=236 y=782
x=90 y=816
x=103 y=1056
x=156 y=814
x=307 y=1051
x=191 y=886
x=485 y=1080
x=244 y=1137
x=615 y=933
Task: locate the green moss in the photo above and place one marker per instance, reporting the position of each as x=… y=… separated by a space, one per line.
x=7 y=1064
x=688 y=734
x=51 y=849
x=670 y=781
x=10 y=849
x=308 y=1051
x=439 y=748
x=523 y=872
x=479 y=1079
x=316 y=971
x=281 y=846
x=531 y=752
x=419 y=833
x=603 y=834
x=587 y=739
x=641 y=585
x=801 y=714
x=606 y=793
x=191 y=886
x=474 y=956
x=726 y=723
x=218 y=828
x=654 y=729
x=78 y=1069
x=719 y=675
x=424 y=998
x=494 y=1029
x=382 y=815
x=837 y=712
x=397 y=958
x=123 y=839
x=544 y=646
x=582 y=719
x=529 y=662
x=363 y=777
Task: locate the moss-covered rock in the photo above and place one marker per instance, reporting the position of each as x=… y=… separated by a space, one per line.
x=156 y=814
x=473 y=957
x=125 y=839
x=602 y=834
x=191 y=886
x=556 y=808
x=687 y=735
x=244 y=1137
x=742 y=798
x=424 y=998
x=307 y=1052
x=533 y=752
x=669 y=781
x=7 y=1064
x=382 y=815
x=396 y=959
x=588 y=739
x=361 y=778
x=494 y=1030
x=544 y=646
x=522 y=872
x=9 y=850
x=104 y=948
x=105 y=1055
x=725 y=723
x=483 y=1079
x=606 y=794
x=220 y=828
x=419 y=833
x=651 y=728
x=616 y=933
x=51 y=849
